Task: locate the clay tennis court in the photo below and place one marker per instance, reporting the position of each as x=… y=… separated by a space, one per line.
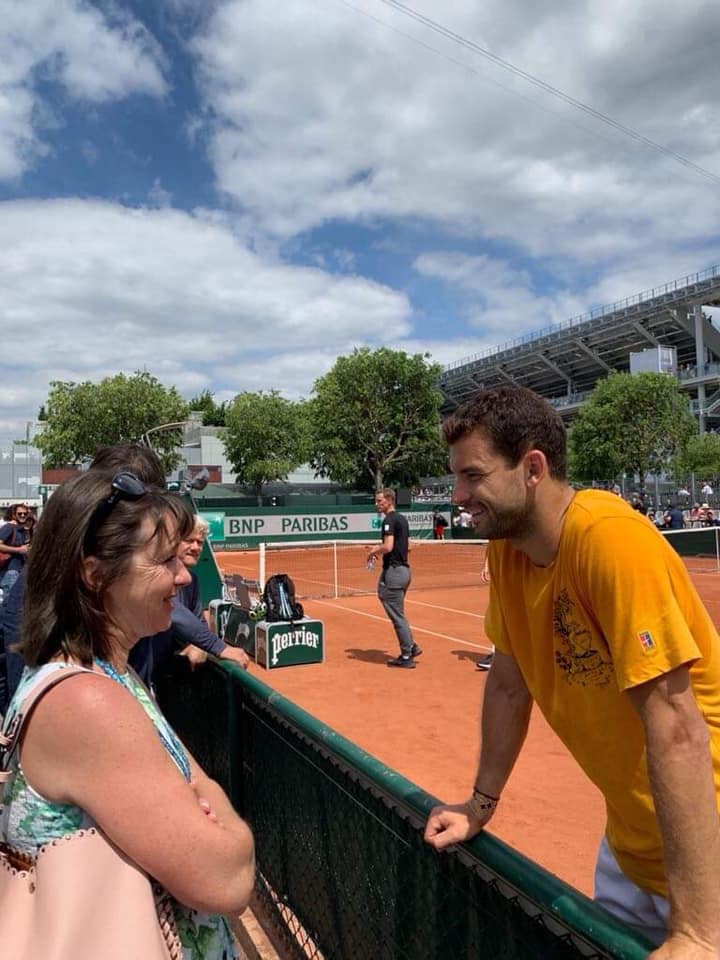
x=424 y=722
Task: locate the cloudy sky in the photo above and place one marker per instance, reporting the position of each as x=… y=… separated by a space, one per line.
x=230 y=194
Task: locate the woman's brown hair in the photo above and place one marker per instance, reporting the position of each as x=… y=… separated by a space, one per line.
x=62 y=612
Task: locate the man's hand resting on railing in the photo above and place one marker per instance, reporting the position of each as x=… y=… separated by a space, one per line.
x=237 y=655
x=455 y=823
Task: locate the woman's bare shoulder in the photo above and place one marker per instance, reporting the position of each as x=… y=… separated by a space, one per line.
x=80 y=725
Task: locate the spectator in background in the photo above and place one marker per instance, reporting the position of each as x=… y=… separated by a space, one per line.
x=684 y=494
x=707 y=490
x=30 y=524
x=637 y=502
x=191 y=633
x=674 y=518
x=486 y=661
x=464 y=518
x=438 y=523
x=657 y=521
x=14 y=540
x=395 y=577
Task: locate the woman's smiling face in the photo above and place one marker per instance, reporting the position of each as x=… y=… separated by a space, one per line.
x=140 y=602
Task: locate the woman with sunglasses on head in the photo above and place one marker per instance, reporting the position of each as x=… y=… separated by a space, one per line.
x=96 y=751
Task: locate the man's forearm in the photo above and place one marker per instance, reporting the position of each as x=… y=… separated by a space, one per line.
x=505 y=718
x=379 y=550
x=187 y=628
x=681 y=777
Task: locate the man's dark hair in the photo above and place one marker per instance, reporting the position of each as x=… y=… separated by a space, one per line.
x=515 y=420
x=135 y=458
x=387 y=492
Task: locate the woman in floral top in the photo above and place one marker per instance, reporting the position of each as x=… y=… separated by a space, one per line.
x=96 y=750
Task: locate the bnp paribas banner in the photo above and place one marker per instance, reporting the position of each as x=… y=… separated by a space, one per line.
x=236 y=529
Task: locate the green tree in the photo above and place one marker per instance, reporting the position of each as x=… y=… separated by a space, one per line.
x=700 y=456
x=265 y=437
x=213 y=413
x=632 y=423
x=80 y=417
x=375 y=419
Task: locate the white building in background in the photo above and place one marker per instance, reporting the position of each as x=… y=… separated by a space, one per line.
x=654 y=360
x=20 y=470
x=203 y=446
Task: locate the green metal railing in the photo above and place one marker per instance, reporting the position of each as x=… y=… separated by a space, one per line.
x=343 y=872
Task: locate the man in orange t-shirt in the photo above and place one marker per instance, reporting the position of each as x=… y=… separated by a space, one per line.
x=594 y=617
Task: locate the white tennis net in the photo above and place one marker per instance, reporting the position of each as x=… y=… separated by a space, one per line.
x=335 y=568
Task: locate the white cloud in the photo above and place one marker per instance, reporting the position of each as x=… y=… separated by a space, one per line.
x=522 y=210
x=92 y=288
x=497 y=298
x=158 y=196
x=324 y=114
x=91 y=57
x=292 y=373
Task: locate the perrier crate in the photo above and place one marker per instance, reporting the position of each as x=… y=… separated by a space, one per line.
x=285 y=644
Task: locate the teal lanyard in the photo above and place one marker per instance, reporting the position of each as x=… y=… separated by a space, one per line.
x=165 y=732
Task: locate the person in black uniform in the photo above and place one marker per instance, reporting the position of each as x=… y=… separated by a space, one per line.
x=395 y=577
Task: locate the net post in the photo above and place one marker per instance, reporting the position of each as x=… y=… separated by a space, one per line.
x=335 y=569
x=261 y=566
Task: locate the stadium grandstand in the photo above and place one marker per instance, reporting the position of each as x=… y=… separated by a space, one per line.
x=563 y=362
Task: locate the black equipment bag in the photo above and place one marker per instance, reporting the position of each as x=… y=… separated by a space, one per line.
x=279 y=599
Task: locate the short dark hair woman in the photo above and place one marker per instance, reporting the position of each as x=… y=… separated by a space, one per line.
x=103 y=572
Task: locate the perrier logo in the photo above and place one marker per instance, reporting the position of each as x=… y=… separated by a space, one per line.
x=300 y=636
x=285 y=644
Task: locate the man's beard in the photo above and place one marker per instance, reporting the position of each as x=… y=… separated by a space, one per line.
x=510 y=523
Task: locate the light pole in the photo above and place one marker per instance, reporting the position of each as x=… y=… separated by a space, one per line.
x=163 y=426
x=178 y=424
x=27 y=456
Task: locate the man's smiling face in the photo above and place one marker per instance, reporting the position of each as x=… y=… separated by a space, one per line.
x=494 y=493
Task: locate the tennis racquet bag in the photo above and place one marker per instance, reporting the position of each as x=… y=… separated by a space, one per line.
x=279 y=599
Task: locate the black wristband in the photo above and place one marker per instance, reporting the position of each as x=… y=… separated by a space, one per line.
x=481 y=793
